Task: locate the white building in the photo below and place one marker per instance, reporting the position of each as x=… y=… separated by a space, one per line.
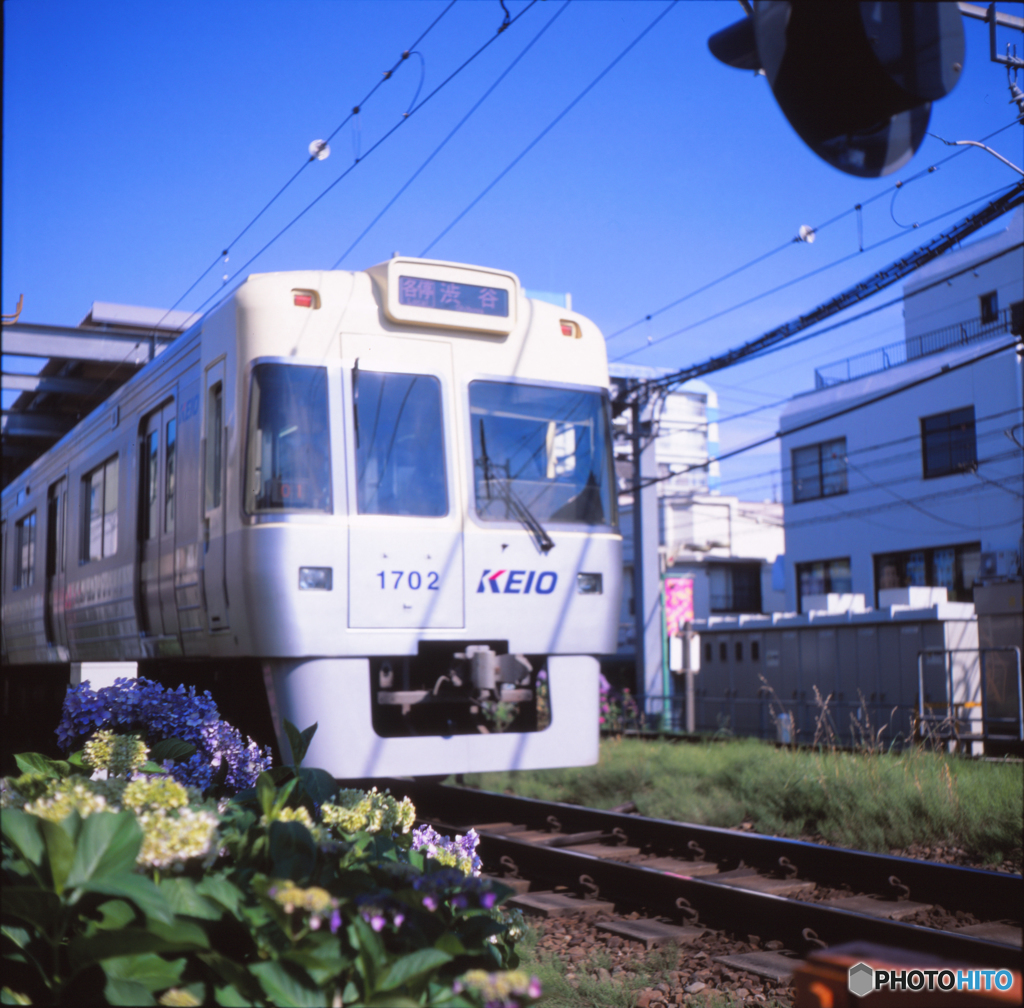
x=725 y=545
x=925 y=486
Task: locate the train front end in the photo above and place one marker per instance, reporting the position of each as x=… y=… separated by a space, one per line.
x=425 y=555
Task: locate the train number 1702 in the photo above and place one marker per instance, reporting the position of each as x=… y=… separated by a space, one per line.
x=413 y=579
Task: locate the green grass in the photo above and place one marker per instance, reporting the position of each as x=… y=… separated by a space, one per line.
x=870 y=802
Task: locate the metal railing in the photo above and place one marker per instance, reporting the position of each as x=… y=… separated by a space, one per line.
x=911 y=348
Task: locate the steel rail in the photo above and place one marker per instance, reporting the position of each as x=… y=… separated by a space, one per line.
x=990 y=896
x=740 y=910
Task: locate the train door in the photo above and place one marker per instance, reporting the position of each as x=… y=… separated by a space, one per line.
x=156 y=522
x=56 y=528
x=214 y=553
x=405 y=538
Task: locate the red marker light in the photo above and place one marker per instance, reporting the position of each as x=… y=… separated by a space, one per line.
x=303 y=300
x=570 y=329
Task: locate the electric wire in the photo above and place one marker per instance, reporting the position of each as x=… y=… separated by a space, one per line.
x=388 y=74
x=437 y=150
x=1002 y=190
x=547 y=129
x=857 y=207
x=889 y=393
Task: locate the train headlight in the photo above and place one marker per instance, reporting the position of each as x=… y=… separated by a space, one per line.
x=589 y=584
x=316 y=578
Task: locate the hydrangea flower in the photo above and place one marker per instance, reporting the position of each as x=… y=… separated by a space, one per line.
x=379 y=910
x=314 y=900
x=458 y=853
x=117 y=754
x=451 y=886
x=67 y=797
x=163 y=713
x=154 y=794
x=178 y=996
x=354 y=811
x=169 y=837
x=503 y=989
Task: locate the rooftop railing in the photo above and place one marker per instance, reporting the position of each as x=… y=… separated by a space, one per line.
x=911 y=348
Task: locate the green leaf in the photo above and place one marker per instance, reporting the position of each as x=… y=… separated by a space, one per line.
x=33 y=762
x=229 y=997
x=22 y=832
x=412 y=966
x=107 y=845
x=171 y=749
x=116 y=915
x=265 y=792
x=319 y=784
x=449 y=942
x=218 y=888
x=137 y=888
x=180 y=933
x=288 y=987
x=108 y=945
x=292 y=850
x=60 y=850
x=127 y=975
x=38 y=907
x=280 y=774
x=150 y=767
x=298 y=741
x=7 y=996
x=391 y=1001
x=184 y=899
x=236 y=977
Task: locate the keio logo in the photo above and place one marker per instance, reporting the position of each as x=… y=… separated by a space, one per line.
x=518 y=582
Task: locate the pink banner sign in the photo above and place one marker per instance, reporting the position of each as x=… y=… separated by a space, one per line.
x=678 y=603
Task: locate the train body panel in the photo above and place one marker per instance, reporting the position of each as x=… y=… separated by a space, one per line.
x=405 y=471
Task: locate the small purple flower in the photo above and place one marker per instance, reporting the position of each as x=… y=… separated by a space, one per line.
x=487 y=900
x=335 y=921
x=460 y=901
x=534 y=990
x=397 y=919
x=430 y=903
x=377 y=921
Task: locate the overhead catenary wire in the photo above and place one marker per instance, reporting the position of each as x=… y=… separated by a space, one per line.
x=856 y=208
x=945 y=370
x=387 y=75
x=437 y=150
x=551 y=125
x=821 y=269
x=309 y=206
x=881 y=279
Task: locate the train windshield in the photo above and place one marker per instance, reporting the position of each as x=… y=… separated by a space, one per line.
x=289 y=461
x=543 y=449
x=399 y=444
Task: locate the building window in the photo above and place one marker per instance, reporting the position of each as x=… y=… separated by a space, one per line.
x=948 y=443
x=100 y=518
x=819 y=470
x=823 y=577
x=951 y=567
x=989 y=307
x=735 y=587
x=25 y=550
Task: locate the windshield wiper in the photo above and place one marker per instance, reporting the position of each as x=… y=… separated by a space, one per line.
x=512 y=500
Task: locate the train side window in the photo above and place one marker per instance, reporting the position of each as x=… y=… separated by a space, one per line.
x=289 y=454
x=170 y=445
x=151 y=484
x=25 y=551
x=723 y=651
x=739 y=650
x=400 y=459
x=214 y=444
x=100 y=517
x=755 y=650
x=709 y=652
x=55 y=528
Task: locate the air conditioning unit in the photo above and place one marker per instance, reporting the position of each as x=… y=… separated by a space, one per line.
x=999 y=563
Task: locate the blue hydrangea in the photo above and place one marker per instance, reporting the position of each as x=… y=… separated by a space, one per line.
x=141 y=704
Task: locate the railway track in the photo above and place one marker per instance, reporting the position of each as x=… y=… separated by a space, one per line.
x=687 y=880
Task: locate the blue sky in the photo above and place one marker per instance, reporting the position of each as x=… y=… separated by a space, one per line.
x=141 y=137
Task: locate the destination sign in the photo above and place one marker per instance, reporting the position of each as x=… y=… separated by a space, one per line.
x=458 y=297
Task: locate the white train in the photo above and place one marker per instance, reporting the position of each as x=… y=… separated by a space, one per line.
x=387 y=495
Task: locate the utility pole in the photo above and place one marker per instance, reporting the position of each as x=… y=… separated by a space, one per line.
x=646 y=567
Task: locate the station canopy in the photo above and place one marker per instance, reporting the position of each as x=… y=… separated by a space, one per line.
x=62 y=373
